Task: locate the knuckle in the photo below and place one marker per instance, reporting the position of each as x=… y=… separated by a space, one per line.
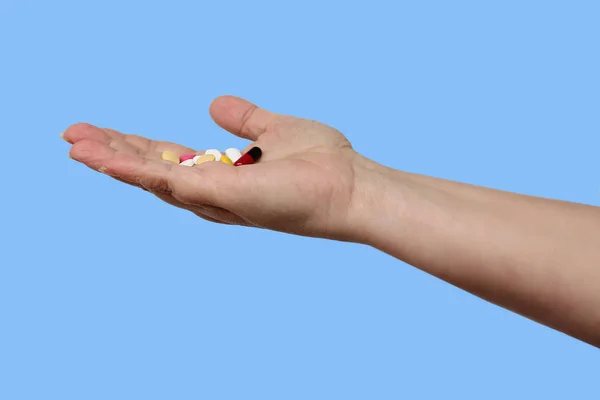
x=155 y=184
x=159 y=183
x=244 y=126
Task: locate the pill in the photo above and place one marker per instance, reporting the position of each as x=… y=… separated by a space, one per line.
x=186 y=157
x=188 y=163
x=204 y=158
x=215 y=153
x=233 y=154
x=170 y=156
x=226 y=160
x=250 y=157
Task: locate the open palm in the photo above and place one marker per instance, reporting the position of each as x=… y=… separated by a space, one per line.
x=303 y=183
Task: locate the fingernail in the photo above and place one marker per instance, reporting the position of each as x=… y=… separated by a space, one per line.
x=62 y=135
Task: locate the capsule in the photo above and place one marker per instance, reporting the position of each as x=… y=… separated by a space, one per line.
x=188 y=163
x=250 y=157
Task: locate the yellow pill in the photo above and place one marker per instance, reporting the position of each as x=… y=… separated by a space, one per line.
x=170 y=156
x=204 y=158
x=226 y=159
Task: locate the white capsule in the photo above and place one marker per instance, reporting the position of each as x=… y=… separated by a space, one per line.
x=215 y=153
x=188 y=163
x=233 y=154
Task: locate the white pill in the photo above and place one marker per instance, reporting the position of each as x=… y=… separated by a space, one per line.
x=215 y=153
x=233 y=154
x=188 y=163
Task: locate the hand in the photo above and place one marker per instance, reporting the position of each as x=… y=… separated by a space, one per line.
x=303 y=183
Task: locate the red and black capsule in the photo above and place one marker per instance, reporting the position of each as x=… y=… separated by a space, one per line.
x=250 y=157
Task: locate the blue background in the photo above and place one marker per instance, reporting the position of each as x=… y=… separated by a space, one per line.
x=108 y=293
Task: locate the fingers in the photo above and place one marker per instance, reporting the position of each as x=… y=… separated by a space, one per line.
x=126 y=143
x=81 y=131
x=113 y=153
x=205 y=189
x=148 y=148
x=241 y=117
x=206 y=184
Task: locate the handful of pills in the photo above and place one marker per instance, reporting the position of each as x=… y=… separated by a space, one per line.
x=232 y=156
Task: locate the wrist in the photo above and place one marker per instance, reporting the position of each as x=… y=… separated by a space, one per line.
x=381 y=202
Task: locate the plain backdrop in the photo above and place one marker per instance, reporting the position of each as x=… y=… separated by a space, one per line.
x=108 y=293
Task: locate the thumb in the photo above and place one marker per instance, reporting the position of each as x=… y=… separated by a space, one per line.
x=241 y=117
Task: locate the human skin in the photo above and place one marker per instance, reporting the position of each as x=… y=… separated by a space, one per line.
x=537 y=257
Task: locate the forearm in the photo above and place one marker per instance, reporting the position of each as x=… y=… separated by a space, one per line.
x=537 y=257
